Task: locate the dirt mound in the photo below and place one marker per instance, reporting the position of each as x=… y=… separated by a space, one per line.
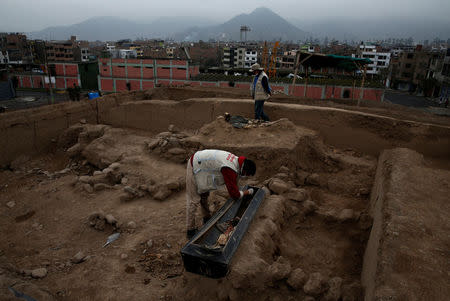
x=114 y=181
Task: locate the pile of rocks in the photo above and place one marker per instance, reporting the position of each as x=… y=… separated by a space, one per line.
x=99 y=220
x=170 y=145
x=101 y=180
x=84 y=135
x=158 y=191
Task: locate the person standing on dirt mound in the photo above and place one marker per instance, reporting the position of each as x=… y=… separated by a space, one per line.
x=208 y=170
x=260 y=90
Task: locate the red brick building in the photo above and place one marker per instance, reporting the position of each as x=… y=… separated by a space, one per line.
x=63 y=75
x=142 y=74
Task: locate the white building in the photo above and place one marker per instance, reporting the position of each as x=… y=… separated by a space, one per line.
x=85 y=54
x=250 y=58
x=380 y=60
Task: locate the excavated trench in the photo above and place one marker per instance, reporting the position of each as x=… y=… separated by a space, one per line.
x=306 y=241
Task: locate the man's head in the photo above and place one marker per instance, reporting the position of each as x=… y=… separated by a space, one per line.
x=256 y=69
x=248 y=168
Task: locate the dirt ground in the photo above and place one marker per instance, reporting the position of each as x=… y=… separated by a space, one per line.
x=100 y=180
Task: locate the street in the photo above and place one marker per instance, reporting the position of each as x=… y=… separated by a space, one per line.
x=31 y=99
x=405 y=99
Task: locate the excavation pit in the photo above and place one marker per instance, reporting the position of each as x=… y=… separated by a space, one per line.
x=79 y=182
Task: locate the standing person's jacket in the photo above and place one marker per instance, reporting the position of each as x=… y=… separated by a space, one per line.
x=214 y=168
x=260 y=87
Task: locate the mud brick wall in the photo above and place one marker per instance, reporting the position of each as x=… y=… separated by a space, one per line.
x=30 y=132
x=366 y=133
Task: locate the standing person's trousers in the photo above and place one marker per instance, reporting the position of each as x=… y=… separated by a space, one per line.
x=259 y=110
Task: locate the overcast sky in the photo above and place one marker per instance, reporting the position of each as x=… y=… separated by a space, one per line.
x=32 y=15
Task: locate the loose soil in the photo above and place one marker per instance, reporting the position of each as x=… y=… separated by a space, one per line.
x=54 y=195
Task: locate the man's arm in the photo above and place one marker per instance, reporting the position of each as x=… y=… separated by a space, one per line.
x=230 y=177
x=265 y=84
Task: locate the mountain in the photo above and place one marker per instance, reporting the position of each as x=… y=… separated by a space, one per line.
x=113 y=28
x=373 y=29
x=264 y=25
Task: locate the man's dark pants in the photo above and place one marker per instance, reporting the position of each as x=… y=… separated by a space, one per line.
x=259 y=110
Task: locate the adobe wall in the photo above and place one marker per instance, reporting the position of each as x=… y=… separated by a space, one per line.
x=31 y=131
x=365 y=133
x=405 y=256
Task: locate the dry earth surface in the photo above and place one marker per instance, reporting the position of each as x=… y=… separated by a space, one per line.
x=307 y=241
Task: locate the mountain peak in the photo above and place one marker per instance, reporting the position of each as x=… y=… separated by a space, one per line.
x=262 y=10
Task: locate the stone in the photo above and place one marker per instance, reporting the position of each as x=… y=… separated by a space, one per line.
x=173 y=185
x=143 y=187
x=75 y=150
x=152 y=144
x=115 y=166
x=10 y=204
x=131 y=225
x=149 y=243
x=63 y=171
x=171 y=128
x=123 y=256
x=297 y=279
x=297 y=194
x=25 y=272
x=280 y=269
x=314 y=179
x=164 y=135
x=88 y=188
x=309 y=207
x=101 y=186
x=39 y=273
x=284 y=169
x=78 y=258
x=97 y=173
x=315 y=285
x=110 y=219
x=83 y=121
x=162 y=194
x=282 y=176
x=334 y=292
x=130 y=190
x=85 y=179
x=125 y=197
x=346 y=215
x=97 y=220
x=124 y=181
x=278 y=186
x=177 y=151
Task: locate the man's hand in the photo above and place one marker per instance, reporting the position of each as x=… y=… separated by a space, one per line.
x=250 y=191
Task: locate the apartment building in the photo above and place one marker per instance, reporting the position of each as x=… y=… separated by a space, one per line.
x=15 y=48
x=239 y=57
x=410 y=68
x=228 y=57
x=61 y=51
x=250 y=58
x=380 y=59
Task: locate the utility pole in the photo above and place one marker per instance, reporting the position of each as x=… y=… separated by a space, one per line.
x=48 y=74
